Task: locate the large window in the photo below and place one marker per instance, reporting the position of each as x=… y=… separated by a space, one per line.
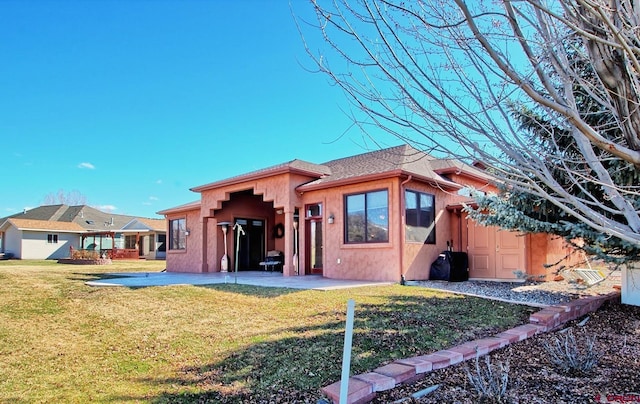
x=367 y=217
x=177 y=234
x=420 y=217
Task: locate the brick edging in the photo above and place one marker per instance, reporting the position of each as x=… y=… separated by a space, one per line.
x=363 y=388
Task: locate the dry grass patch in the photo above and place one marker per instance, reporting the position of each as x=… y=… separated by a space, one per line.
x=63 y=341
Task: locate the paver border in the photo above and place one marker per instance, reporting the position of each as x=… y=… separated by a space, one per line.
x=407 y=370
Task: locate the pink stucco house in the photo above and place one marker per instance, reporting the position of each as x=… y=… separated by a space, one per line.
x=378 y=216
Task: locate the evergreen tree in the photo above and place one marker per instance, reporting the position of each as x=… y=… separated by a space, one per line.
x=517 y=209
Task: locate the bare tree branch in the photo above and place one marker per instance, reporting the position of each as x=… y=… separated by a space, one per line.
x=448 y=75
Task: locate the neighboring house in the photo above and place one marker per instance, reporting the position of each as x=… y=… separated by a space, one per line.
x=382 y=216
x=49 y=232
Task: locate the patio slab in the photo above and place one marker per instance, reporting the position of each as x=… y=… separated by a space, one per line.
x=255 y=278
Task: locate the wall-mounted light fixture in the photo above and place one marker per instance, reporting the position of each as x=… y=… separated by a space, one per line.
x=186 y=232
x=331 y=219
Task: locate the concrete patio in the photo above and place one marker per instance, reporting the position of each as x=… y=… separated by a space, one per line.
x=254 y=278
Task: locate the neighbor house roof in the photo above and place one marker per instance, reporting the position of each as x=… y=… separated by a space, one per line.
x=84 y=216
x=42 y=225
x=146 y=225
x=154 y=224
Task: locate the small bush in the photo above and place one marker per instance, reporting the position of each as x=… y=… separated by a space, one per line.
x=84 y=255
x=572 y=356
x=490 y=381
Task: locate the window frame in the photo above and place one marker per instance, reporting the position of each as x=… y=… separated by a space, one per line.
x=419 y=219
x=128 y=238
x=366 y=236
x=181 y=237
x=52 y=238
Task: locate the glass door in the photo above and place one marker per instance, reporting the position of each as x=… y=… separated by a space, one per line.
x=313 y=238
x=250 y=245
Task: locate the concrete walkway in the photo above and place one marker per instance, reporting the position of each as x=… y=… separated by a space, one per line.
x=255 y=278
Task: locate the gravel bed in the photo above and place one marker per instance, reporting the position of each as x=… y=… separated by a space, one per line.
x=526 y=292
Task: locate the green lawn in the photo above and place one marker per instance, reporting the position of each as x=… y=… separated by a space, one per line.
x=63 y=341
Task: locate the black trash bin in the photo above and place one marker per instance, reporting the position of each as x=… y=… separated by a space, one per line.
x=450 y=266
x=459 y=267
x=441 y=267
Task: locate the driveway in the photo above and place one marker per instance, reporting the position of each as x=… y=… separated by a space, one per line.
x=255 y=278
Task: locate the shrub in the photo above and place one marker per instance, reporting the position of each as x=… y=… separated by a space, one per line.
x=85 y=255
x=572 y=356
x=490 y=381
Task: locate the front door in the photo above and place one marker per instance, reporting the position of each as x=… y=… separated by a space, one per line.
x=313 y=237
x=249 y=246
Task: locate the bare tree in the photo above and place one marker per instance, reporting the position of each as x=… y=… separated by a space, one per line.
x=447 y=76
x=69 y=198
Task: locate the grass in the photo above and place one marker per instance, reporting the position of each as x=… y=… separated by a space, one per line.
x=63 y=341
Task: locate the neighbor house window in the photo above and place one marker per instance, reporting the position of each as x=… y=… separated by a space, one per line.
x=52 y=238
x=130 y=242
x=177 y=234
x=367 y=217
x=420 y=217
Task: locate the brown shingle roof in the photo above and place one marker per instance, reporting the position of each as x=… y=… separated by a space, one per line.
x=31 y=224
x=154 y=224
x=397 y=159
x=83 y=215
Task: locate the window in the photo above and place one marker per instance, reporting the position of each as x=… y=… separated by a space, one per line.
x=177 y=234
x=314 y=210
x=420 y=217
x=367 y=217
x=130 y=242
x=162 y=242
x=52 y=238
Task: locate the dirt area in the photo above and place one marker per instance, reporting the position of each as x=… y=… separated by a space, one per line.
x=533 y=378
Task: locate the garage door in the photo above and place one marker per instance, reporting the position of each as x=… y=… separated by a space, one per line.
x=494 y=253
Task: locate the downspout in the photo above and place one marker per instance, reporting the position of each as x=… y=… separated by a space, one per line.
x=402 y=235
x=460 y=230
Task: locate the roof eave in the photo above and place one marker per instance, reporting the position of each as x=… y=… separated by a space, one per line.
x=255 y=176
x=465 y=173
x=438 y=182
x=51 y=230
x=180 y=209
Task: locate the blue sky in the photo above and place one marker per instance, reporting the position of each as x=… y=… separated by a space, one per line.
x=131 y=103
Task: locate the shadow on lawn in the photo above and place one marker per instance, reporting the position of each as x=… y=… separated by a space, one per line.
x=252 y=290
x=294 y=368
x=88 y=276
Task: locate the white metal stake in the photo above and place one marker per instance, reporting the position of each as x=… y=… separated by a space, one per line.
x=239 y=231
x=346 y=353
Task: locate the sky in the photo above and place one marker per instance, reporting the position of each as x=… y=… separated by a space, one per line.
x=130 y=103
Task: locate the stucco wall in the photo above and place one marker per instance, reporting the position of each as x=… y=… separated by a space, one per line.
x=418 y=257
x=547 y=254
x=375 y=261
x=189 y=259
